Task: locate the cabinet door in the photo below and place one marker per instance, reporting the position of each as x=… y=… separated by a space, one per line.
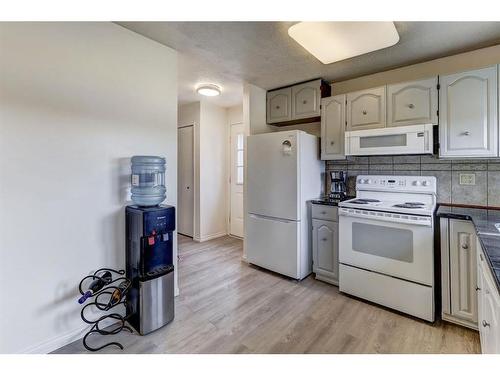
x=325 y=250
x=412 y=103
x=332 y=127
x=489 y=324
x=306 y=99
x=468 y=114
x=463 y=268
x=279 y=105
x=366 y=109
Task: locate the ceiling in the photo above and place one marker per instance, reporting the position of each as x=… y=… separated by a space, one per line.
x=262 y=53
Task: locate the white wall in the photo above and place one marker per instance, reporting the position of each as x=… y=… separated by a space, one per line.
x=213 y=175
x=77 y=100
x=235 y=114
x=254 y=110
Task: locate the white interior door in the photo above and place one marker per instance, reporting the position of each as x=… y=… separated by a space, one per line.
x=236 y=178
x=185 y=206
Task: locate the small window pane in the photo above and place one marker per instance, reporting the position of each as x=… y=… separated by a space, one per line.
x=395 y=140
x=239 y=141
x=239 y=175
x=239 y=158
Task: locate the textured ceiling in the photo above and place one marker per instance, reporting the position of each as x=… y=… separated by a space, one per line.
x=262 y=53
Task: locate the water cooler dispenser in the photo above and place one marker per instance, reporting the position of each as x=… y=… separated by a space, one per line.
x=149 y=259
x=149 y=247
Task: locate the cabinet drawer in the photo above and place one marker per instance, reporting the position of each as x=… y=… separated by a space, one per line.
x=323 y=212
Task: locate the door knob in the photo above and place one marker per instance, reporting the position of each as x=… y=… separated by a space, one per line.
x=277 y=107
x=304 y=102
x=466 y=132
x=411 y=106
x=187 y=187
x=478 y=288
x=332 y=142
x=364 y=112
x=485 y=323
x=465 y=246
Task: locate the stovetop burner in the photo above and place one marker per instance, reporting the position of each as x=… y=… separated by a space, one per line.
x=364 y=201
x=410 y=205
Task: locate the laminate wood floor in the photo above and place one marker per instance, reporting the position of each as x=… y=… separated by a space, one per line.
x=228 y=306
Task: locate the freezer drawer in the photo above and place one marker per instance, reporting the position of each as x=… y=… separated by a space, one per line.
x=274 y=244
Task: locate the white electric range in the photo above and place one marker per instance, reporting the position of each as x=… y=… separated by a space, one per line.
x=386 y=243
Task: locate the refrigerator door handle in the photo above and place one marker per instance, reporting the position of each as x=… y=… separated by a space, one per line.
x=255 y=216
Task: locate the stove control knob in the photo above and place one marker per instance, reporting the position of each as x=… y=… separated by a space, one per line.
x=425 y=183
x=416 y=183
x=368 y=181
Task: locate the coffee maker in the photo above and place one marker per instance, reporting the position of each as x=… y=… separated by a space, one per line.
x=338 y=187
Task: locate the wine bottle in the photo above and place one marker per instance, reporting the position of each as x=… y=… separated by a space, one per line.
x=118 y=293
x=96 y=286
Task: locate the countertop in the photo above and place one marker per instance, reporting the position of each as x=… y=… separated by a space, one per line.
x=484 y=221
x=329 y=202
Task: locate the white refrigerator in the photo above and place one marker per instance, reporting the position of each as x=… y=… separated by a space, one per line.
x=283 y=172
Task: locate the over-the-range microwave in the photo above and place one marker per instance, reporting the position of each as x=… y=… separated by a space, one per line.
x=410 y=139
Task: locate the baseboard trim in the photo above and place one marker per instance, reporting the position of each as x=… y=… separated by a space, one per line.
x=210 y=237
x=56 y=342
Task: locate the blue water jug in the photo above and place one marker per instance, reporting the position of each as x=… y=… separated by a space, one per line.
x=148 y=180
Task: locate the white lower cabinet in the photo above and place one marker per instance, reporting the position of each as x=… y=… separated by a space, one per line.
x=325 y=244
x=458 y=270
x=489 y=306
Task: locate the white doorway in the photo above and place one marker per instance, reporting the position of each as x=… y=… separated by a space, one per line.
x=185 y=183
x=237 y=147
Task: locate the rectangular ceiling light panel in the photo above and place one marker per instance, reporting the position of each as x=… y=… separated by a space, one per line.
x=335 y=41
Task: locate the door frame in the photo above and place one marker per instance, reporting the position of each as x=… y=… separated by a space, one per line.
x=229 y=172
x=195 y=177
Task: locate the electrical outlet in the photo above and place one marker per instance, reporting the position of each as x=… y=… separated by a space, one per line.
x=467 y=179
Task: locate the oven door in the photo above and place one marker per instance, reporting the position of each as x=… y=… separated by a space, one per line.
x=402 y=250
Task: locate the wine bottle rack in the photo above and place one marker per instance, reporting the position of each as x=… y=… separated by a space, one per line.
x=97 y=301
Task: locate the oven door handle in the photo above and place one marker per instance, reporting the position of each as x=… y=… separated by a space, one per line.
x=387 y=216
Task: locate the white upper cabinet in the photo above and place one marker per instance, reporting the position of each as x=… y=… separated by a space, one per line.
x=332 y=127
x=306 y=99
x=279 y=105
x=468 y=114
x=366 y=109
x=413 y=103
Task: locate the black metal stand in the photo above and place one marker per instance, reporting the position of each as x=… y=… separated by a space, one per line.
x=106 y=291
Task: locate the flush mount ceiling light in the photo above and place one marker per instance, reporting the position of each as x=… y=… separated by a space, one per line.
x=335 y=41
x=208 y=90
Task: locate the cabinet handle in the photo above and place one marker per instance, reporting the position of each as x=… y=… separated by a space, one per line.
x=411 y=105
x=304 y=102
x=332 y=142
x=485 y=323
x=465 y=246
x=323 y=239
x=323 y=212
x=364 y=112
x=481 y=256
x=277 y=107
x=466 y=132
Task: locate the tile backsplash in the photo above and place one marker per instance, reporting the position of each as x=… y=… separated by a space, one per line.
x=485 y=192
